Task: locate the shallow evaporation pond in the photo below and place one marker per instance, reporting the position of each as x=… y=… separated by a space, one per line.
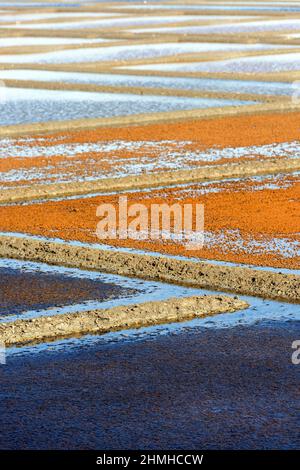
x=40 y=41
x=29 y=290
x=33 y=105
x=45 y=16
x=127 y=52
x=40 y=4
x=229 y=28
x=205 y=84
x=236 y=378
x=111 y=22
x=26 y=287
x=221 y=7
x=169 y=152
x=260 y=311
x=258 y=64
x=148 y=157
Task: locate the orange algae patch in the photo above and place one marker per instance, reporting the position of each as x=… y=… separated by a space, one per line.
x=184 y=138
x=181 y=137
x=224 y=131
x=88 y=164
x=243 y=220
x=40 y=170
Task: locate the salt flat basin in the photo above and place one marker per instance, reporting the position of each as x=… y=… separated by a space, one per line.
x=40 y=4
x=92 y=161
x=32 y=105
x=258 y=64
x=277 y=6
x=45 y=290
x=268 y=237
x=129 y=52
x=14 y=17
x=40 y=41
x=203 y=84
x=292 y=36
x=230 y=28
x=112 y=22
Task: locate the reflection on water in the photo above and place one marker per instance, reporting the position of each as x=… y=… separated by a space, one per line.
x=45 y=290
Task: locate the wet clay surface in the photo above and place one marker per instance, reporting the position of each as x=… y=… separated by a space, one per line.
x=210 y=389
x=23 y=291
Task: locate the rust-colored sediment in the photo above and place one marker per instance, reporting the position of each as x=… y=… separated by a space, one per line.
x=118 y=318
x=198 y=274
x=201 y=134
x=224 y=131
x=250 y=210
x=150 y=180
x=260 y=215
x=92 y=165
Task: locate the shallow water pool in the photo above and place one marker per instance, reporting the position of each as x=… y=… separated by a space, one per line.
x=129 y=52
x=32 y=105
x=256 y=64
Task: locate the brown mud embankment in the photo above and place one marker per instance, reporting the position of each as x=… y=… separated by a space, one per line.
x=241 y=280
x=117 y=318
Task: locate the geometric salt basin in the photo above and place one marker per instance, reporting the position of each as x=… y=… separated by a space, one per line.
x=257 y=64
x=32 y=105
x=102 y=79
x=127 y=52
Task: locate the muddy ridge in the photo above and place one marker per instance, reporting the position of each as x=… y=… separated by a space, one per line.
x=241 y=280
x=232 y=170
x=118 y=318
